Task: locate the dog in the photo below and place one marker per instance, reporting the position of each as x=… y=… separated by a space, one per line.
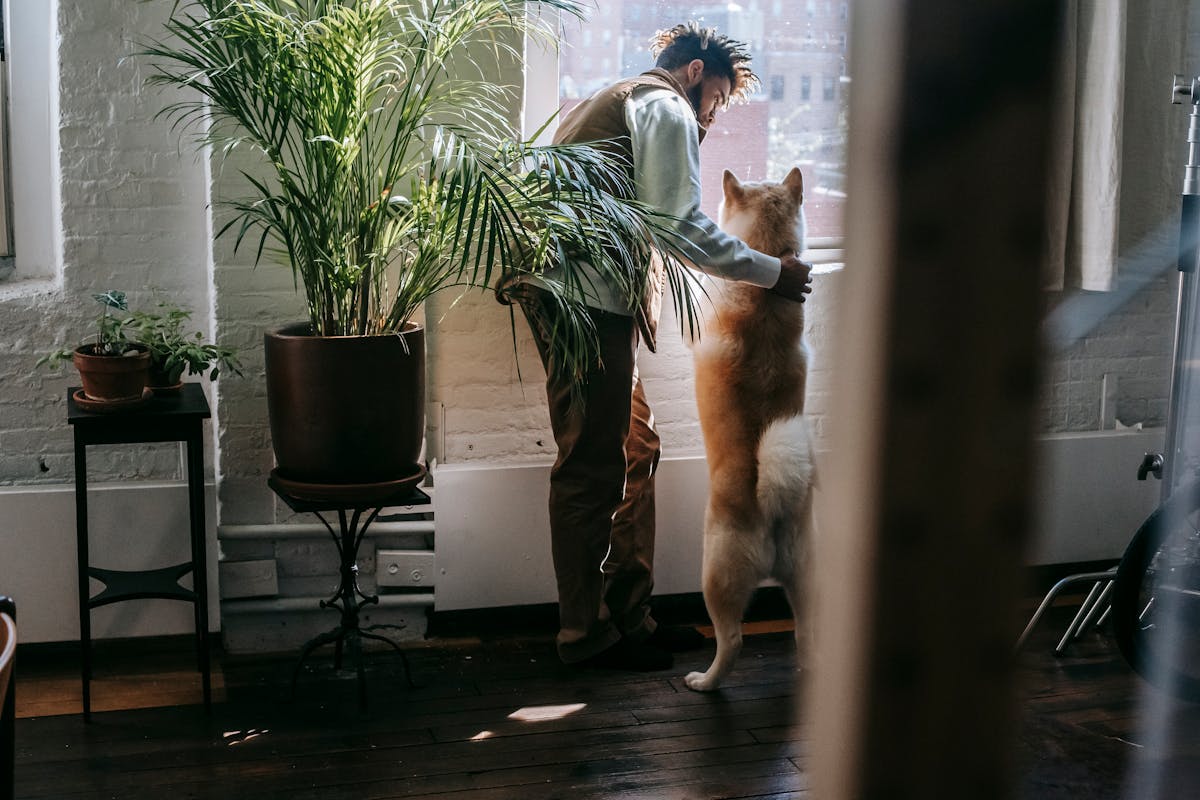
x=751 y=367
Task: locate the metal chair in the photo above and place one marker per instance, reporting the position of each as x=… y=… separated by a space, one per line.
x=1091 y=612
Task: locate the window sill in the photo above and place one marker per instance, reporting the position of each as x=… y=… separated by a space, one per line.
x=17 y=288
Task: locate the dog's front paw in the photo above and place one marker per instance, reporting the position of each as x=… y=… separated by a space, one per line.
x=700 y=682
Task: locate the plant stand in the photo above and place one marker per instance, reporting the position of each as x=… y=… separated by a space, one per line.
x=171 y=419
x=350 y=502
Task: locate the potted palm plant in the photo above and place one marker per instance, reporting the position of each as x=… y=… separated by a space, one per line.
x=390 y=171
x=112 y=368
x=172 y=351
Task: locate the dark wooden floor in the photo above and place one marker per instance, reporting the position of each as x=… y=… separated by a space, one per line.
x=502 y=719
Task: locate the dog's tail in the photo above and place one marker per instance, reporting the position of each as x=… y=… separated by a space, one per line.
x=786 y=468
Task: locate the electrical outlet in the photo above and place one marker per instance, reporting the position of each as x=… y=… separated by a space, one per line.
x=400 y=568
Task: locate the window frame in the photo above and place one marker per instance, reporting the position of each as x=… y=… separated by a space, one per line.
x=6 y=241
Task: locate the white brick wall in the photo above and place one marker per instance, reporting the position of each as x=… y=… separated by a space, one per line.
x=133 y=218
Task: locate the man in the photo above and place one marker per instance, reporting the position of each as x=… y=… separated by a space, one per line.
x=602 y=484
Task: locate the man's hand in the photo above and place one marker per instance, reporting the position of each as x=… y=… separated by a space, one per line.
x=795 y=278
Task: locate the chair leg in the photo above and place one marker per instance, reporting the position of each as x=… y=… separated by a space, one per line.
x=1077 y=622
x=1055 y=590
x=1099 y=610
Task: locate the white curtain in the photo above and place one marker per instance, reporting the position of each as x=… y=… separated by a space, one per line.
x=1085 y=173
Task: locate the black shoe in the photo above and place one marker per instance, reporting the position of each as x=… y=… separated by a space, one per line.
x=629 y=655
x=676 y=638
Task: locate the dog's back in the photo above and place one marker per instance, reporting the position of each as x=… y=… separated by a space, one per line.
x=751 y=369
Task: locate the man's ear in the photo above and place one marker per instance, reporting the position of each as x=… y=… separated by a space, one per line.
x=695 y=73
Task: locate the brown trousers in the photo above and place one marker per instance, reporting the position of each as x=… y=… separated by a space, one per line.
x=601 y=489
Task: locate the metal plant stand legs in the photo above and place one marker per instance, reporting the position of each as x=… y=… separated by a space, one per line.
x=351 y=502
x=348 y=599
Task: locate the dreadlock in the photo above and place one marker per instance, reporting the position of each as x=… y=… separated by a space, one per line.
x=721 y=55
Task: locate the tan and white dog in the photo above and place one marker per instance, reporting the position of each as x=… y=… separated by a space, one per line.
x=751 y=367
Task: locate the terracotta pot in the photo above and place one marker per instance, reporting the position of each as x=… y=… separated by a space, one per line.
x=112 y=379
x=346 y=409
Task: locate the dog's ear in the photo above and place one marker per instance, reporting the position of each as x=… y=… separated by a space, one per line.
x=795 y=184
x=732 y=186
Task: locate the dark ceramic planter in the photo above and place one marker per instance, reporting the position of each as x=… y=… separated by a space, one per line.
x=112 y=379
x=346 y=409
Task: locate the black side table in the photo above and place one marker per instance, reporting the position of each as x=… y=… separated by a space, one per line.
x=348 y=598
x=171 y=418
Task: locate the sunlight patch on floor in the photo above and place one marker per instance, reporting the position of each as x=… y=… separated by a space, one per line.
x=545 y=713
x=238 y=737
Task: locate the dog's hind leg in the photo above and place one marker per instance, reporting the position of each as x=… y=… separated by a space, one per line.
x=731 y=573
x=787 y=475
x=791 y=572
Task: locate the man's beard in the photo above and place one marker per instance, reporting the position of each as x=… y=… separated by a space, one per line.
x=694 y=96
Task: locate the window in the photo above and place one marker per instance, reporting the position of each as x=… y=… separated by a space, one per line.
x=776 y=87
x=758 y=140
x=28 y=124
x=828 y=87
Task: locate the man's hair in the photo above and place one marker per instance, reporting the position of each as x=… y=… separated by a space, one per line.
x=678 y=46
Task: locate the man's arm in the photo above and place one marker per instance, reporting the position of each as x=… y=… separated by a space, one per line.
x=666 y=170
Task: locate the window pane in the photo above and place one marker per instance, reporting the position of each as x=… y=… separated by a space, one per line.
x=785 y=124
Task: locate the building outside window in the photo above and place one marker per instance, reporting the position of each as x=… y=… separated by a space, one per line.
x=759 y=140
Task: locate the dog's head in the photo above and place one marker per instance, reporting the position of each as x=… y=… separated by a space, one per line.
x=767 y=216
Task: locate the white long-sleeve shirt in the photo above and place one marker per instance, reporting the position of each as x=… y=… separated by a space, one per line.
x=666 y=172
x=663 y=132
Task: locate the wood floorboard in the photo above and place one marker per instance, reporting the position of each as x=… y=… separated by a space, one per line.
x=499 y=718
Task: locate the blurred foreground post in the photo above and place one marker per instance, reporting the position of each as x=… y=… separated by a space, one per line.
x=925 y=508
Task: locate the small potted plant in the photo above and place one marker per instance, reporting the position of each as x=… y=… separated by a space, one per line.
x=112 y=367
x=172 y=350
